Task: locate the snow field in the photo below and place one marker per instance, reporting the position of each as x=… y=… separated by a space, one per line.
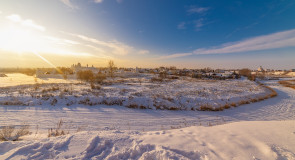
x=267 y=130
x=183 y=94
x=240 y=140
x=22 y=79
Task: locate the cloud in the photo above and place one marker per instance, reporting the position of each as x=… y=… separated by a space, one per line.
x=66 y=42
x=25 y=22
x=181 y=25
x=271 y=41
x=115 y=46
x=69 y=4
x=143 y=52
x=60 y=41
x=196 y=9
x=176 y=55
x=199 y=24
x=98 y=1
x=240 y=29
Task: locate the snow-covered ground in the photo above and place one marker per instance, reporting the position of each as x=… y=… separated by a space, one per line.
x=140 y=92
x=102 y=116
x=267 y=140
x=261 y=130
x=21 y=79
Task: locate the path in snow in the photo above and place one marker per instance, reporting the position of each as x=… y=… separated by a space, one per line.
x=101 y=117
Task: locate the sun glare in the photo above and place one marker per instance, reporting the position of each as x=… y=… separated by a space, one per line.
x=23 y=41
x=18 y=40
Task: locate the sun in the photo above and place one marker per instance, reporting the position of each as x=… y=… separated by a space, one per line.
x=22 y=41
x=18 y=40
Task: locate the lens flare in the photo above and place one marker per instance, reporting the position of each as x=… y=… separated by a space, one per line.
x=48 y=62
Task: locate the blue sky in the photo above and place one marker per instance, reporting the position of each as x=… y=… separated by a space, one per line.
x=152 y=33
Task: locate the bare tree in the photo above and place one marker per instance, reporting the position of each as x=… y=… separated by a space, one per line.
x=247 y=73
x=111 y=67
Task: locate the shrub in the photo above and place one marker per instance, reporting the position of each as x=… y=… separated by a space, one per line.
x=11 y=133
x=100 y=77
x=162 y=75
x=112 y=67
x=233 y=104
x=85 y=75
x=247 y=73
x=226 y=106
x=155 y=79
x=58 y=131
x=95 y=86
x=53 y=102
x=288 y=83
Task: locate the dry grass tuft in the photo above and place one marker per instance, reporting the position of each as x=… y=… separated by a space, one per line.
x=226 y=106
x=58 y=131
x=11 y=133
x=242 y=102
x=93 y=86
x=233 y=104
x=288 y=83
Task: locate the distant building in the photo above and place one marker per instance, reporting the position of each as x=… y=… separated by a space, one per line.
x=78 y=67
x=260 y=69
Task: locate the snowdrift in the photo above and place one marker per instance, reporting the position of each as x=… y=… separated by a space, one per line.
x=240 y=140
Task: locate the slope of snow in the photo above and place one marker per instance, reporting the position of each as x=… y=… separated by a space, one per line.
x=239 y=140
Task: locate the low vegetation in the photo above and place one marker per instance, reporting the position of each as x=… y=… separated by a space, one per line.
x=89 y=76
x=13 y=133
x=247 y=73
x=271 y=94
x=144 y=92
x=288 y=83
x=59 y=130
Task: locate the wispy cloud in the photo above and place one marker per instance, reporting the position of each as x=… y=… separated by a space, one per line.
x=98 y=1
x=181 y=25
x=115 y=46
x=198 y=24
x=69 y=4
x=271 y=41
x=25 y=22
x=176 y=55
x=196 y=9
x=240 y=29
x=119 y=1
x=61 y=41
x=143 y=52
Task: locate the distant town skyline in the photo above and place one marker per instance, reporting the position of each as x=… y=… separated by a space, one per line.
x=148 y=33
